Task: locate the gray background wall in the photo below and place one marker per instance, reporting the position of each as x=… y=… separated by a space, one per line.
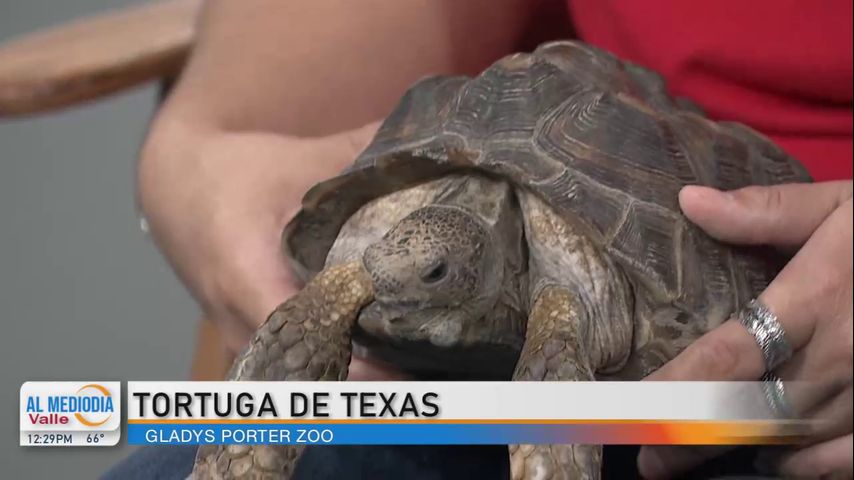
x=83 y=293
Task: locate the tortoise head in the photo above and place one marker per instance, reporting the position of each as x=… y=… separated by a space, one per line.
x=435 y=275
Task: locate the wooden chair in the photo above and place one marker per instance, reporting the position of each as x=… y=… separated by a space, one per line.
x=92 y=58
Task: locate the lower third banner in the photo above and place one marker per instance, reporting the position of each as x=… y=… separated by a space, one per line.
x=419 y=413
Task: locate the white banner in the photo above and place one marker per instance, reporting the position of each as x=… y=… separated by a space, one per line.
x=682 y=401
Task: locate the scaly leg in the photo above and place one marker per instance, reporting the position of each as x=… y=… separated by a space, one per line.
x=554 y=350
x=306 y=338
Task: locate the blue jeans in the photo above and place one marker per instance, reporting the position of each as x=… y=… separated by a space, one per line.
x=339 y=462
x=412 y=462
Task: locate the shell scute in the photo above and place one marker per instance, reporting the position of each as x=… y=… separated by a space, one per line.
x=597 y=139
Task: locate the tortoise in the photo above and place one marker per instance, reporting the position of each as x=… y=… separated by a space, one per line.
x=522 y=224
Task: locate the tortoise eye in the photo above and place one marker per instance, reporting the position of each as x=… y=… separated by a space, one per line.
x=435 y=273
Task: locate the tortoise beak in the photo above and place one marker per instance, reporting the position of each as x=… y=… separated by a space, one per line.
x=375 y=319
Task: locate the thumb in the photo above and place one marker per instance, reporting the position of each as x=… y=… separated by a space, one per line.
x=781 y=215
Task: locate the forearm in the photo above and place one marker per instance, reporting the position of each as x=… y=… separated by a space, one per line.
x=217 y=201
x=314 y=67
x=249 y=127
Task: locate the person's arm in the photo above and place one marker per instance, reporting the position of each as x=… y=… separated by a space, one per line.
x=321 y=66
x=274 y=99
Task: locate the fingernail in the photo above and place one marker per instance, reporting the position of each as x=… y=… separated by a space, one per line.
x=701 y=192
x=696 y=196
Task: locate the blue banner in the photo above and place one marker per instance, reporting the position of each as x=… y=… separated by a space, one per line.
x=350 y=434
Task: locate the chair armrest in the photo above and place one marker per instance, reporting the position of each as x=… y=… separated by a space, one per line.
x=96 y=56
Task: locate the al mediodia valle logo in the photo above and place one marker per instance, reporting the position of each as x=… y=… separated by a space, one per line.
x=91 y=405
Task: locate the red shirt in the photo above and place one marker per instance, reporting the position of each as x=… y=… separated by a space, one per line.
x=783 y=67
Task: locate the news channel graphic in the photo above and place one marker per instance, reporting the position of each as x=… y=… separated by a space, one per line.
x=70 y=414
x=449 y=413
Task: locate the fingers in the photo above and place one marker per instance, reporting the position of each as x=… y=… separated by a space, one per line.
x=815 y=286
x=254 y=276
x=817 y=461
x=818 y=384
x=826 y=402
x=781 y=215
x=831 y=457
x=728 y=352
x=833 y=417
x=812 y=287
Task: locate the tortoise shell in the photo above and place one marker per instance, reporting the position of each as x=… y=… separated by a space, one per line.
x=598 y=139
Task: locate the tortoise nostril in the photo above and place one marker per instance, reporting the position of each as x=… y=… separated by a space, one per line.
x=435 y=273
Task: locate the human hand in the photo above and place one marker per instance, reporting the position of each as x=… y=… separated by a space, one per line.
x=812 y=298
x=217 y=202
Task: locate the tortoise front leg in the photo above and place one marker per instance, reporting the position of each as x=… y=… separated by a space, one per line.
x=554 y=350
x=306 y=338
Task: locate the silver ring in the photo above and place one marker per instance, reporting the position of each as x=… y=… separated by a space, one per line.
x=775 y=396
x=769 y=334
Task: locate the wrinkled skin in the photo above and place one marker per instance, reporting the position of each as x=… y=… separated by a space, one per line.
x=431 y=274
x=306 y=338
x=532 y=209
x=446 y=277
